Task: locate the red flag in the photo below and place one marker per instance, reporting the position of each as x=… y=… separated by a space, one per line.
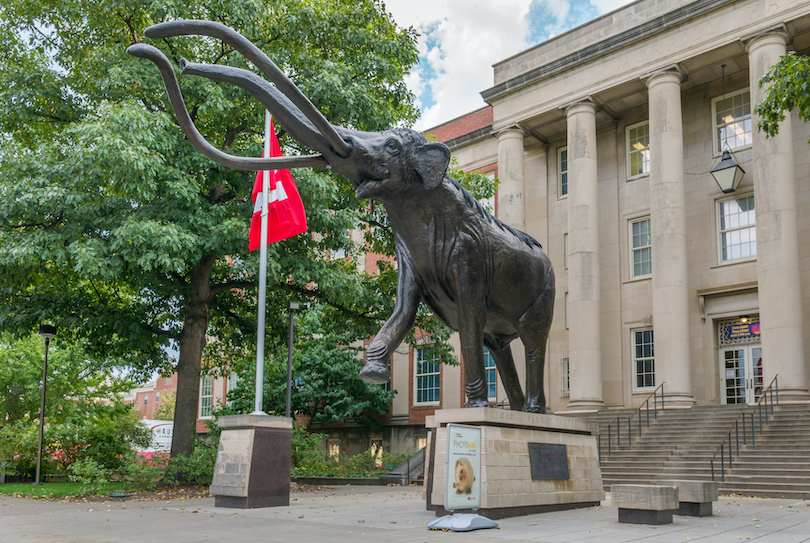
x=286 y=216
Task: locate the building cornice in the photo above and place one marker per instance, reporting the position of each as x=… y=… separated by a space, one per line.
x=617 y=41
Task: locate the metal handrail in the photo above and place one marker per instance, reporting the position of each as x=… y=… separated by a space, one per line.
x=770 y=392
x=646 y=403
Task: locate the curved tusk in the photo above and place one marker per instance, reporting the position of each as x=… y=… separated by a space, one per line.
x=261 y=61
x=271 y=98
x=149 y=52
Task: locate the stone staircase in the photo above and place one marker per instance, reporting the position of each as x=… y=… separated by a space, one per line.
x=680 y=443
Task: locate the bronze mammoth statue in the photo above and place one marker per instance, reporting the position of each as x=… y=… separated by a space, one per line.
x=486 y=280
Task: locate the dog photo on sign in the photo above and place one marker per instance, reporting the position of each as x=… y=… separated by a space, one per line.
x=465 y=476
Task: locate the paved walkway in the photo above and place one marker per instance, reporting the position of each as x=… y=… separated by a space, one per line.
x=379 y=514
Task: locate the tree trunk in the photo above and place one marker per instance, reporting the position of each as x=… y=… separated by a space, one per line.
x=189 y=364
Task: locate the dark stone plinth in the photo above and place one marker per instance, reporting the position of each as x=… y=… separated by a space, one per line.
x=689 y=509
x=645 y=516
x=253 y=464
x=506 y=512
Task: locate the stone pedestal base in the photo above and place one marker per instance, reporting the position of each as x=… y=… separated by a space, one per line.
x=689 y=509
x=253 y=462
x=507 y=487
x=644 y=516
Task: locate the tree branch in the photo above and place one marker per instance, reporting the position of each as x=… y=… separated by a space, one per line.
x=231 y=285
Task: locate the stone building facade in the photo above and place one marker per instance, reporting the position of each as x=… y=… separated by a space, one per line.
x=603 y=139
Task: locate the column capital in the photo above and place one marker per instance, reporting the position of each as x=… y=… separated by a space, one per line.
x=670 y=74
x=512 y=131
x=776 y=34
x=585 y=104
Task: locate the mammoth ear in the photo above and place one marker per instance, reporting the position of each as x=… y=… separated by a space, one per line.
x=430 y=161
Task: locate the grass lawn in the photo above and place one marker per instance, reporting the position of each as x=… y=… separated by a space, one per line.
x=51 y=490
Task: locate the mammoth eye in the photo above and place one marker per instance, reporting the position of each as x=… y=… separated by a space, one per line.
x=393 y=146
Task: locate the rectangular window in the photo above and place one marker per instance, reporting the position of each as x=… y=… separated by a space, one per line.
x=562 y=171
x=644 y=358
x=157 y=397
x=565 y=376
x=491 y=371
x=566 y=310
x=333 y=448
x=233 y=381
x=565 y=248
x=428 y=377
x=387 y=385
x=145 y=401
x=732 y=121
x=638 y=150
x=206 y=396
x=737 y=228
x=168 y=380
x=640 y=248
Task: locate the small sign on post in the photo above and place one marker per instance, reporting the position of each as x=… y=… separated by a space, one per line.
x=462 y=488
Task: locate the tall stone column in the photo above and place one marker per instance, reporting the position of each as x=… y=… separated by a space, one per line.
x=780 y=293
x=670 y=293
x=584 y=297
x=511 y=207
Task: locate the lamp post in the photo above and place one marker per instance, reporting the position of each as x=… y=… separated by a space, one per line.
x=727 y=173
x=47 y=332
x=288 y=410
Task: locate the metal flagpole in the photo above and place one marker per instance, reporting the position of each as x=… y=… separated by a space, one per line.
x=262 y=274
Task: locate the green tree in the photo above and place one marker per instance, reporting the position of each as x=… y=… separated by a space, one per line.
x=75 y=379
x=114 y=226
x=326 y=386
x=788 y=83
x=165 y=411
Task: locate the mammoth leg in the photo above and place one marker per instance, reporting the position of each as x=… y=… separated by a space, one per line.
x=502 y=354
x=375 y=369
x=533 y=328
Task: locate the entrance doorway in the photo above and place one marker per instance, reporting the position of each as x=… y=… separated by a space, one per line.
x=741 y=373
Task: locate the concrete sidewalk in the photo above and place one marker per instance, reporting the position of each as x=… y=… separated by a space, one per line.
x=380 y=514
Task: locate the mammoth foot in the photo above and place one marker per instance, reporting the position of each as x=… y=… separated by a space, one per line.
x=374 y=374
x=535 y=409
x=477 y=403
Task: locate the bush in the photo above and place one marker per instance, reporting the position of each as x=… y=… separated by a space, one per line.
x=18 y=448
x=93 y=476
x=145 y=473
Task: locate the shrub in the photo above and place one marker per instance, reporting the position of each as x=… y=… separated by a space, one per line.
x=91 y=474
x=145 y=473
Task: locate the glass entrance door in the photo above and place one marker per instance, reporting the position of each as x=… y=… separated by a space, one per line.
x=741 y=373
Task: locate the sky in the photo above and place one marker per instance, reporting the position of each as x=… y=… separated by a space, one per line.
x=460 y=40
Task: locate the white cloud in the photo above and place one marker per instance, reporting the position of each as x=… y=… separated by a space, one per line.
x=461 y=40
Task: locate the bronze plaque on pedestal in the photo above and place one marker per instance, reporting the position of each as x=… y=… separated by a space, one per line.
x=548 y=461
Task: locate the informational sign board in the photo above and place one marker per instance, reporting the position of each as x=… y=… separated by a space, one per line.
x=161 y=435
x=462 y=488
x=548 y=461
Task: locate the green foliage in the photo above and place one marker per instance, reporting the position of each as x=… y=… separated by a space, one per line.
x=93 y=476
x=307 y=448
x=50 y=491
x=18 y=448
x=113 y=226
x=788 y=84
x=75 y=379
x=165 y=411
x=145 y=473
x=326 y=385
x=103 y=433
x=365 y=464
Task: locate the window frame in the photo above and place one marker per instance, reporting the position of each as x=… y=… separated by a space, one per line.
x=719 y=232
x=636 y=359
x=634 y=249
x=416 y=375
x=561 y=172
x=565 y=376
x=629 y=150
x=491 y=370
x=717 y=146
x=203 y=385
